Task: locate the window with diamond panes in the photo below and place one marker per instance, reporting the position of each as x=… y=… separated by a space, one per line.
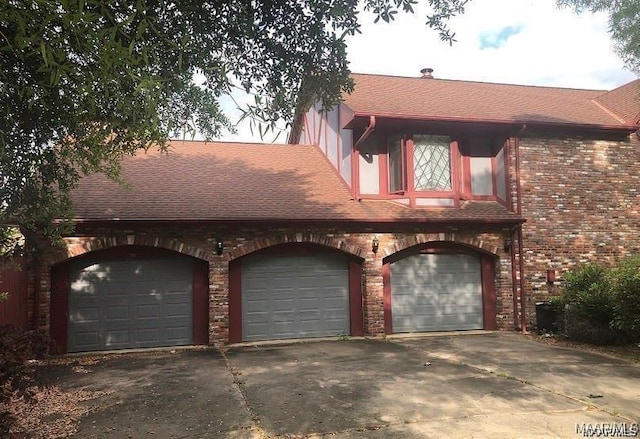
x=431 y=163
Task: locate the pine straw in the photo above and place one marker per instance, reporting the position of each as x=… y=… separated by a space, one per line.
x=53 y=412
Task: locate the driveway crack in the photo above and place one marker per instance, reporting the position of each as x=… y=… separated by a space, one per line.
x=238 y=383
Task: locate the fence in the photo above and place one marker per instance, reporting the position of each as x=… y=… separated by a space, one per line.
x=13 y=310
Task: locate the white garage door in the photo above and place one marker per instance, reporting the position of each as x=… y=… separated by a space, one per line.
x=130 y=304
x=436 y=292
x=294 y=297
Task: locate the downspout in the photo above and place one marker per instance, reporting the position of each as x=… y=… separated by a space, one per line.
x=523 y=316
x=355 y=158
x=512 y=247
x=367 y=131
x=514 y=278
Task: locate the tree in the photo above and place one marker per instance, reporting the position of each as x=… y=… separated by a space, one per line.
x=83 y=82
x=624 y=16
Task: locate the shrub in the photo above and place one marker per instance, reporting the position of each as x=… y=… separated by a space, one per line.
x=17 y=347
x=625 y=283
x=589 y=305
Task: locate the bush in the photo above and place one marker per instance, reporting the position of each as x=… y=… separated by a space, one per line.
x=17 y=347
x=589 y=305
x=625 y=283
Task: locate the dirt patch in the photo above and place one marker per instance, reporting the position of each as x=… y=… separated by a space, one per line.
x=630 y=352
x=52 y=413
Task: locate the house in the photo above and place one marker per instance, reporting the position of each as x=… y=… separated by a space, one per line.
x=418 y=204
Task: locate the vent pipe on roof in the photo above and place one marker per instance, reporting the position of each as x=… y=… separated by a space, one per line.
x=427 y=73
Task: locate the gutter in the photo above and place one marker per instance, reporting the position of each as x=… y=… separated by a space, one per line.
x=598 y=127
x=288 y=221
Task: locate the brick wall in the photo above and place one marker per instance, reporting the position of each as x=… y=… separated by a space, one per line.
x=581 y=200
x=200 y=242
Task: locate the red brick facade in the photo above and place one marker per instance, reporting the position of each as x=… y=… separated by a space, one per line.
x=200 y=243
x=581 y=201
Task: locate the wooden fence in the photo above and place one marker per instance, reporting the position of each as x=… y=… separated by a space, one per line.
x=13 y=310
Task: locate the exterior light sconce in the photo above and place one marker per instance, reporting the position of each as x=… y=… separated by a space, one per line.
x=507 y=245
x=375 y=244
x=219 y=246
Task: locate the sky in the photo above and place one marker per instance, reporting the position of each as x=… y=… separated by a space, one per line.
x=529 y=42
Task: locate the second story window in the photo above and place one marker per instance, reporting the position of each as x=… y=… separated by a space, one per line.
x=431 y=163
x=421 y=163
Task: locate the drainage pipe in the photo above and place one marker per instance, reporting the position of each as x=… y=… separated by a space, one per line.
x=523 y=316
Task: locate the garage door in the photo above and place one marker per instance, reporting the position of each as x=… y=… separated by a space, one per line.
x=294 y=297
x=436 y=292
x=130 y=304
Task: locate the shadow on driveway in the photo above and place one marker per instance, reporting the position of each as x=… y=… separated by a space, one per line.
x=498 y=385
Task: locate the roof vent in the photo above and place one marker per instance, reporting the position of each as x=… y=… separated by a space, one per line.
x=427 y=73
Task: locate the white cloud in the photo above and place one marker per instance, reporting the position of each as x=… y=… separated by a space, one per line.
x=552 y=47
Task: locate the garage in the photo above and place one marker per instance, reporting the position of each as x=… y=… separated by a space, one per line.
x=130 y=304
x=436 y=292
x=295 y=296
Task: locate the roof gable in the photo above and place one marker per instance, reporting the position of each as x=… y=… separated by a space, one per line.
x=623 y=101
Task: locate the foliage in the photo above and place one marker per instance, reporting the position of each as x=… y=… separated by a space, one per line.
x=626 y=293
x=589 y=308
x=602 y=305
x=624 y=16
x=11 y=245
x=83 y=82
x=17 y=347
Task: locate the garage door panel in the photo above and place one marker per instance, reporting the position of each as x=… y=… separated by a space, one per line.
x=178 y=310
x=436 y=292
x=124 y=304
x=291 y=297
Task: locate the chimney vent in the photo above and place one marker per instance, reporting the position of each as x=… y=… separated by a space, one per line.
x=427 y=73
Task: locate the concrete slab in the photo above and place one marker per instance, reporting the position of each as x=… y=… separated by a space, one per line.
x=596 y=380
x=482 y=385
x=161 y=394
x=370 y=388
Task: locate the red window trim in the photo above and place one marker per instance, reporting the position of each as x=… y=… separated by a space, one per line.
x=460 y=176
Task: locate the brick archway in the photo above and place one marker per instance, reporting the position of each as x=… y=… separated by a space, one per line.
x=79 y=246
x=453 y=238
x=110 y=250
x=444 y=243
x=303 y=238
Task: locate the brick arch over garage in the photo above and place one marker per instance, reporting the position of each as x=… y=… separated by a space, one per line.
x=80 y=246
x=444 y=243
x=301 y=238
x=426 y=239
x=119 y=250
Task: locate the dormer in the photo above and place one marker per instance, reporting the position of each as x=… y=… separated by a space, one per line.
x=428 y=142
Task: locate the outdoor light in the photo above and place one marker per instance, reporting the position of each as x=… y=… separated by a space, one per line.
x=375 y=244
x=507 y=244
x=219 y=246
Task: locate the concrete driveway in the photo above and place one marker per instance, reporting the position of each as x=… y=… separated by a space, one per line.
x=482 y=385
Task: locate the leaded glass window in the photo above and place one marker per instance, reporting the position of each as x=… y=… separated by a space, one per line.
x=431 y=163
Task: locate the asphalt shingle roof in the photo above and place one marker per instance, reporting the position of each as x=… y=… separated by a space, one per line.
x=420 y=98
x=241 y=181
